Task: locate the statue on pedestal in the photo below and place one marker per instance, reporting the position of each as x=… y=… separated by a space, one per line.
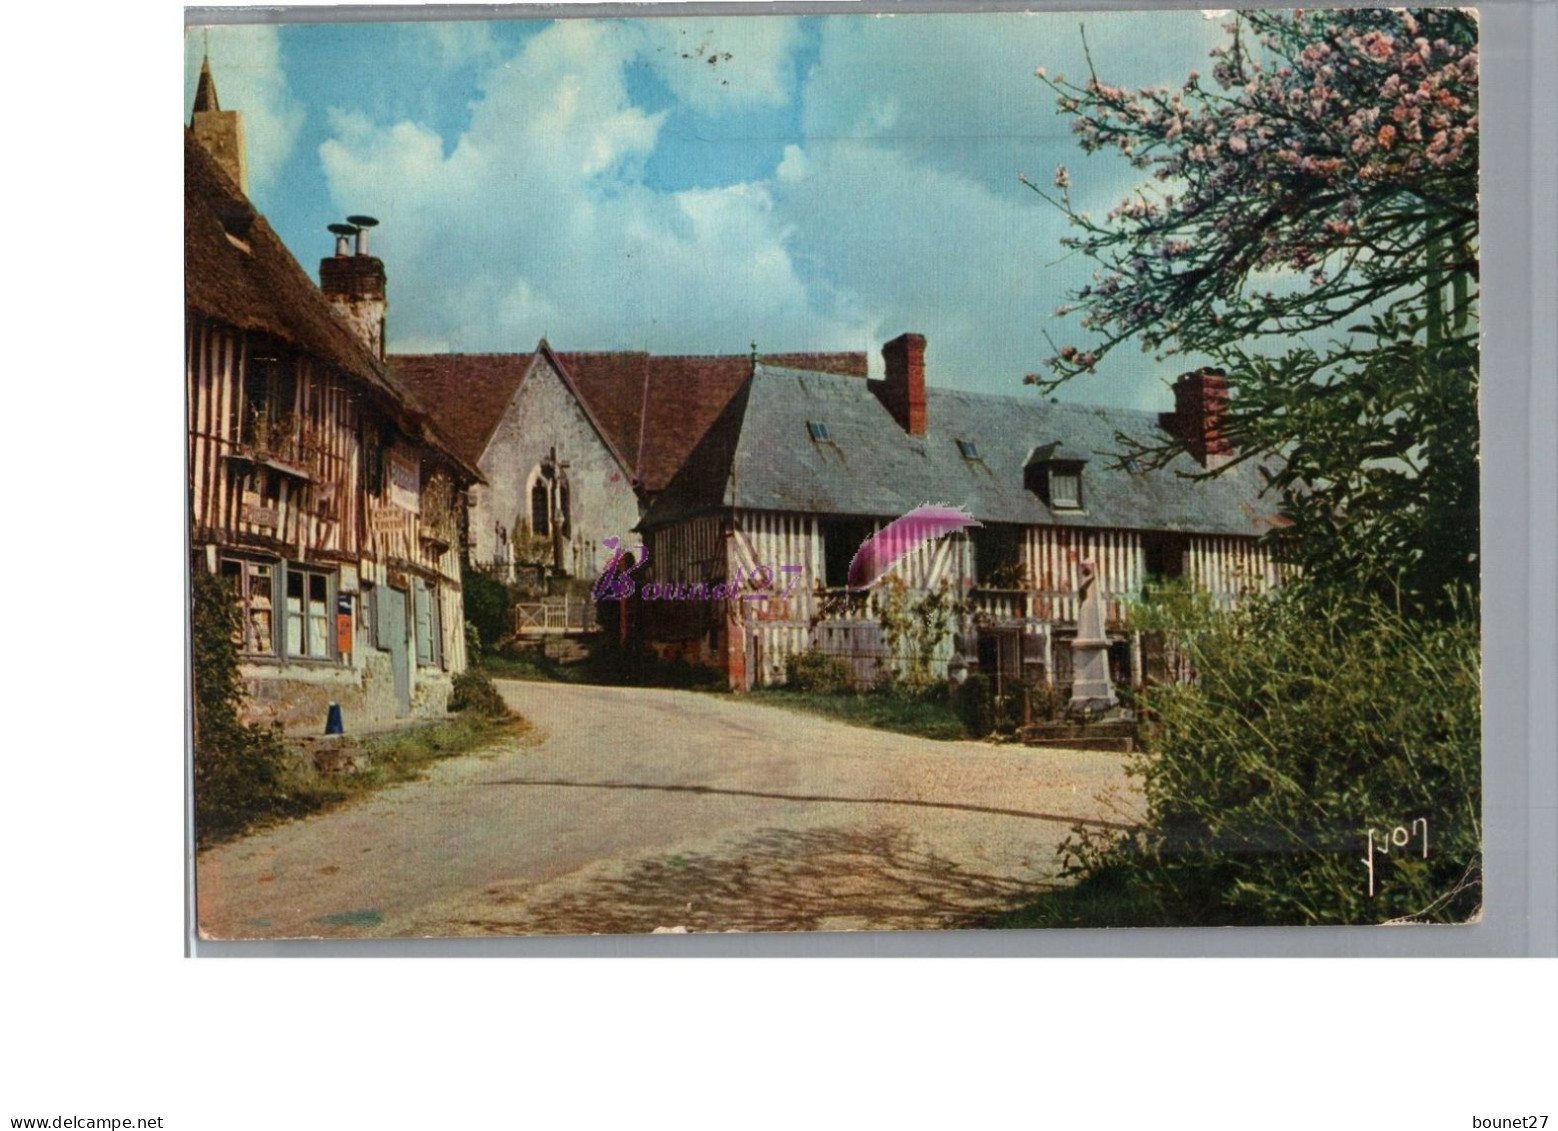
x=1092 y=690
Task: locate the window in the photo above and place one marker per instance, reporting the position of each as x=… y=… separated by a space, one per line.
x=1065 y=488
x=1054 y=473
x=540 y=510
x=308 y=615
x=425 y=602
x=253 y=586
x=818 y=431
x=270 y=388
x=967 y=450
x=1163 y=555
x=997 y=556
x=841 y=539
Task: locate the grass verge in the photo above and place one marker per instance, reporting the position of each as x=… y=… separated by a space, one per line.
x=1108 y=899
x=392 y=757
x=924 y=717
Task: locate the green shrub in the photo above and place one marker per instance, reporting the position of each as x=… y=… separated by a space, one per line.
x=473 y=691
x=1049 y=702
x=240 y=769
x=817 y=671
x=487 y=606
x=976 y=703
x=1315 y=719
x=915 y=630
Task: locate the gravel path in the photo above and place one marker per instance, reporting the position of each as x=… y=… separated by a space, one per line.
x=628 y=810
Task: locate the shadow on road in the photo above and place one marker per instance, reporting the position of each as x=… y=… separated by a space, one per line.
x=779 y=880
x=717 y=791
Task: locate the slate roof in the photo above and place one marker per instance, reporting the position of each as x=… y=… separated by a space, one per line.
x=760 y=455
x=255 y=284
x=652 y=409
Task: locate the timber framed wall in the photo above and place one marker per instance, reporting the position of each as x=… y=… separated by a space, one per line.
x=764 y=634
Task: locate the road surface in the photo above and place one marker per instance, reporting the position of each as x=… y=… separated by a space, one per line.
x=625 y=810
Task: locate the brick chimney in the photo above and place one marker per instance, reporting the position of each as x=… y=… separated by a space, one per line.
x=1200 y=400
x=354 y=283
x=903 y=392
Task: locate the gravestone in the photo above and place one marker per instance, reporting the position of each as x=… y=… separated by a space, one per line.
x=1092 y=690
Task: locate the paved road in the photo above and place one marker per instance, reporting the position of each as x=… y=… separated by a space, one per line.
x=627 y=809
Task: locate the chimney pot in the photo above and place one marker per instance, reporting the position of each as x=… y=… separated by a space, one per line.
x=362 y=224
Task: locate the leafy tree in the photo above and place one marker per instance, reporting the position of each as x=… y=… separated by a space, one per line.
x=1321 y=186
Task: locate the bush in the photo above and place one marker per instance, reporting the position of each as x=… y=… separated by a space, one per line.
x=976 y=703
x=487 y=606
x=473 y=691
x=1315 y=719
x=817 y=671
x=240 y=769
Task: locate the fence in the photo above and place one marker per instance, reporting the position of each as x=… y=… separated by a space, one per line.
x=554 y=615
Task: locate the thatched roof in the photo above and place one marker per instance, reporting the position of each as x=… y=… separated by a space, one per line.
x=237 y=270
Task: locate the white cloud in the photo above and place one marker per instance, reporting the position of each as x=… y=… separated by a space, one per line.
x=793 y=167
x=246 y=66
x=458 y=42
x=897 y=209
x=536 y=220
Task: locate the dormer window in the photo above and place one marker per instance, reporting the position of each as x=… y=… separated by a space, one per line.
x=1065 y=488
x=1054 y=473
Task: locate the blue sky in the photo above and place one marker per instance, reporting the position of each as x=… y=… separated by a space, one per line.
x=694 y=184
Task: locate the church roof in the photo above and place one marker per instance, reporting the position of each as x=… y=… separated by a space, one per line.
x=652 y=409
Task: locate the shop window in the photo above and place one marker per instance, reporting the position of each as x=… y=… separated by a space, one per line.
x=308 y=609
x=253 y=586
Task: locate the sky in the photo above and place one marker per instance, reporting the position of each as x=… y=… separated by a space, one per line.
x=694 y=185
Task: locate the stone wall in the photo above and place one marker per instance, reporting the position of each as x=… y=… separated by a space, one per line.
x=544 y=414
x=299 y=697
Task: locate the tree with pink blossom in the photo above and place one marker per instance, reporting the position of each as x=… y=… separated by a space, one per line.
x=1308 y=221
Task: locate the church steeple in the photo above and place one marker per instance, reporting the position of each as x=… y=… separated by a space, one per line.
x=205 y=92
x=220 y=131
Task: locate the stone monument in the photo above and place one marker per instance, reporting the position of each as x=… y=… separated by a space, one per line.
x=1092 y=691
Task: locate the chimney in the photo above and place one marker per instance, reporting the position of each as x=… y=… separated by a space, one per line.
x=219 y=131
x=903 y=392
x=355 y=283
x=1200 y=400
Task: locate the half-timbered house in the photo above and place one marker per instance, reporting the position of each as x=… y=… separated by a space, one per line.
x=802 y=466
x=317 y=487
